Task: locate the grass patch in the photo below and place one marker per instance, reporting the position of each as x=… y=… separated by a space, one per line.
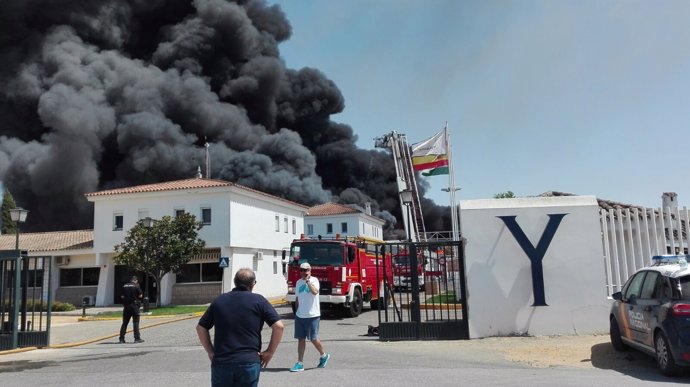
x=163 y=311
x=445 y=298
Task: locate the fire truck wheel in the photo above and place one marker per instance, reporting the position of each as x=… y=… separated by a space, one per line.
x=356 y=305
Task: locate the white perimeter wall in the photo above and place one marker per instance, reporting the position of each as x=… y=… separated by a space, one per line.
x=499 y=278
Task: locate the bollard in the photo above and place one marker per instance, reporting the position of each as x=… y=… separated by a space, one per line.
x=146 y=304
x=84 y=301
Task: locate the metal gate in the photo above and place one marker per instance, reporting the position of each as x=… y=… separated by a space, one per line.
x=25 y=300
x=427 y=293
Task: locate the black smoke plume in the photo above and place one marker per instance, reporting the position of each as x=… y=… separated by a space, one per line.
x=101 y=94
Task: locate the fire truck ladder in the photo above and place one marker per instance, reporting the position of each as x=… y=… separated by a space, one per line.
x=402 y=158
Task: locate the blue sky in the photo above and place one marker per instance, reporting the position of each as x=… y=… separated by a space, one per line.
x=586 y=97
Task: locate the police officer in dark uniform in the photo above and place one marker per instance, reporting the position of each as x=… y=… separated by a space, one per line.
x=131 y=300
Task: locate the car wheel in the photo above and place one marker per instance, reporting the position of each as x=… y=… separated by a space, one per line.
x=615 y=333
x=664 y=358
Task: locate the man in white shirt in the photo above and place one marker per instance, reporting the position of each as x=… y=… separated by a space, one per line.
x=307 y=317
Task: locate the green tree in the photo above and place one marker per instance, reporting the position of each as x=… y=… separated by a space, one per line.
x=504 y=195
x=162 y=248
x=8 y=226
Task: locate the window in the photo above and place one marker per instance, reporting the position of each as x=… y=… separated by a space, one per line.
x=206 y=215
x=117 y=221
x=277 y=223
x=310 y=229
x=84 y=276
x=343 y=227
x=179 y=212
x=210 y=272
x=684 y=287
x=200 y=272
x=294 y=227
x=633 y=289
x=189 y=273
x=329 y=228
x=35 y=278
x=650 y=285
x=285 y=225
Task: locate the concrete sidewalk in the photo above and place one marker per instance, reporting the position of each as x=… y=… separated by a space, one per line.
x=79 y=327
x=70 y=331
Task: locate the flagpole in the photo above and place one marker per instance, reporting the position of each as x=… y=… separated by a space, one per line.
x=454 y=216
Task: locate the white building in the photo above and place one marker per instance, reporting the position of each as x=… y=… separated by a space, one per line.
x=249 y=227
x=331 y=219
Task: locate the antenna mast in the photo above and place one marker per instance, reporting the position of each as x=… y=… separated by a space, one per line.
x=208 y=162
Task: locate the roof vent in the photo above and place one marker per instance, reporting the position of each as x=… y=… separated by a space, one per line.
x=198 y=172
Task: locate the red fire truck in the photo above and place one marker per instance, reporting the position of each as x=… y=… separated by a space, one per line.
x=402 y=277
x=346 y=269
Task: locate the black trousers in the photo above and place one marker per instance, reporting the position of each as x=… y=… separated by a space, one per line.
x=130 y=311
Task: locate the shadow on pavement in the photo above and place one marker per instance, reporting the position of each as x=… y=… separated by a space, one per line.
x=632 y=363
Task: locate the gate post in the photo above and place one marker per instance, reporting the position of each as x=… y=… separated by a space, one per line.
x=25 y=287
x=17 y=288
x=415 y=314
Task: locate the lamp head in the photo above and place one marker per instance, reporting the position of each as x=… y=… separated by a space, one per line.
x=18 y=214
x=406 y=196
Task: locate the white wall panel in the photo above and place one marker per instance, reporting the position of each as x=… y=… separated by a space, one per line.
x=499 y=272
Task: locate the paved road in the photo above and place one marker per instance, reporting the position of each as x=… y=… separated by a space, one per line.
x=172 y=357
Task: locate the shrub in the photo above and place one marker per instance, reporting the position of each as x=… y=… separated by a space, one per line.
x=62 y=306
x=41 y=306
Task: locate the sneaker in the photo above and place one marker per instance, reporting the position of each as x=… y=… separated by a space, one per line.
x=323 y=360
x=138 y=341
x=298 y=367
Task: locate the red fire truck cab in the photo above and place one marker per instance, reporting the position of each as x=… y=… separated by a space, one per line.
x=402 y=273
x=346 y=270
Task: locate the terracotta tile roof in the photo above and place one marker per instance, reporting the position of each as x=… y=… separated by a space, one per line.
x=332 y=209
x=603 y=203
x=49 y=241
x=194 y=183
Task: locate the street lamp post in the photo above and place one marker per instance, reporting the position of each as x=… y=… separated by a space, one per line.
x=148 y=223
x=406 y=197
x=18 y=215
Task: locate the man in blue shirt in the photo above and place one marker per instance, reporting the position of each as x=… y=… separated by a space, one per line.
x=238 y=317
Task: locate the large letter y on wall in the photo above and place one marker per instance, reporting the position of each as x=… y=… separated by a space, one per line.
x=535 y=254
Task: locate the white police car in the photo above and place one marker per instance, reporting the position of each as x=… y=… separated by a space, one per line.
x=652 y=313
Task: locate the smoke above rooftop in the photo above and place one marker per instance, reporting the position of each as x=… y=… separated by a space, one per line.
x=102 y=94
